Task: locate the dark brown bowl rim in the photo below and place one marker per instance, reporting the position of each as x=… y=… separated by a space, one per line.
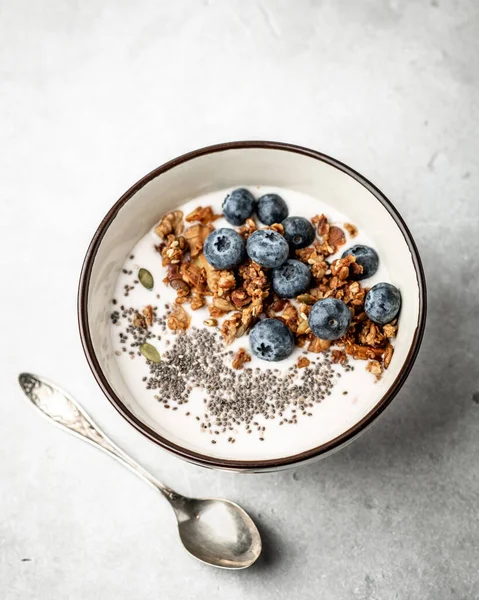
x=257 y=465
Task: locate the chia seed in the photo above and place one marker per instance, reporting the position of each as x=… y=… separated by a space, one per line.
x=232 y=400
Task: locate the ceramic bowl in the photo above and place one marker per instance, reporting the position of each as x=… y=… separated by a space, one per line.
x=236 y=164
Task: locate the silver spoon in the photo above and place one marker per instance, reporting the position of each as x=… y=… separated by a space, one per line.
x=217 y=532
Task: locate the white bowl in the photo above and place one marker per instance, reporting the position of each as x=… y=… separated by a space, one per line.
x=237 y=164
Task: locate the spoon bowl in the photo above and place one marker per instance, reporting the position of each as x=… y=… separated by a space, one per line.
x=215 y=531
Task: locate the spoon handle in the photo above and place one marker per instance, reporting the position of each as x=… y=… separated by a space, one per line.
x=59 y=407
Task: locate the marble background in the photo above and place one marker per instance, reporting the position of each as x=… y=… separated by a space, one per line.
x=94 y=94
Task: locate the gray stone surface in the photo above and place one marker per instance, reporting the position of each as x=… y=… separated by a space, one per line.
x=93 y=94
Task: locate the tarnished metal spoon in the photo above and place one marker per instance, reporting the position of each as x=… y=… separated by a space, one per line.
x=215 y=531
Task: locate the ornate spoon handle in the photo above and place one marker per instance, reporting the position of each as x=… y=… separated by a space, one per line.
x=67 y=414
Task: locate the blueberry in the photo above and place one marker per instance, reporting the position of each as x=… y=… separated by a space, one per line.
x=291 y=278
x=224 y=248
x=382 y=303
x=268 y=248
x=329 y=319
x=298 y=232
x=271 y=209
x=238 y=206
x=366 y=257
x=271 y=339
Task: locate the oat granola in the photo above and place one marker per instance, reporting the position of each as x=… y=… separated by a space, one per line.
x=240 y=358
x=171 y=223
x=240 y=296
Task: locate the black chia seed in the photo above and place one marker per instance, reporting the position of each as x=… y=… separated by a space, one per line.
x=234 y=399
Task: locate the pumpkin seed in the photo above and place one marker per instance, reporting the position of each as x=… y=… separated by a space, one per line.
x=306 y=299
x=150 y=352
x=146 y=279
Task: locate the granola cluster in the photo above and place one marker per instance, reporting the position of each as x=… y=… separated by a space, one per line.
x=241 y=295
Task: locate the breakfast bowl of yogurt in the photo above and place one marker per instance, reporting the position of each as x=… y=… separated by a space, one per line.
x=252 y=306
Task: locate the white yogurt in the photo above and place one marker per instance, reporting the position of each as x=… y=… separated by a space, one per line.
x=331 y=417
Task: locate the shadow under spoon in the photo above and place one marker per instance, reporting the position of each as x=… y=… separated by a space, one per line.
x=215 y=531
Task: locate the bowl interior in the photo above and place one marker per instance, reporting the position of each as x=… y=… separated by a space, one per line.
x=187 y=178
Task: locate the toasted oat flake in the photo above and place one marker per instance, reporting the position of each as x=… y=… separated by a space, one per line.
x=390 y=330
x=196 y=236
x=278 y=227
x=351 y=229
x=388 y=354
x=173 y=250
x=303 y=362
x=178 y=319
x=240 y=358
x=223 y=303
x=148 y=314
x=232 y=327
x=171 y=223
x=194 y=277
x=248 y=228
x=240 y=298
x=319 y=345
x=374 y=367
x=197 y=301
x=203 y=215
x=139 y=321
x=339 y=356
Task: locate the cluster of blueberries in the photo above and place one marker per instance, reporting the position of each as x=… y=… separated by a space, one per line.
x=329 y=318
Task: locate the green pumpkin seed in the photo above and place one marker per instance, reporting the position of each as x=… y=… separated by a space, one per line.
x=150 y=352
x=146 y=279
x=306 y=299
